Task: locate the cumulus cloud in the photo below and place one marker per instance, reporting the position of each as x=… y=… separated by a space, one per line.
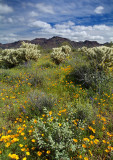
x=99 y=9
x=45 y=8
x=10 y=20
x=65 y=25
x=40 y=24
x=8 y=38
x=4 y=9
x=33 y=14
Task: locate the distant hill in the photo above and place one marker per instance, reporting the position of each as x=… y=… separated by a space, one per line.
x=51 y=43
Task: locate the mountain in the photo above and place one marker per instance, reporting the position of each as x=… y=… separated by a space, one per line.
x=51 y=43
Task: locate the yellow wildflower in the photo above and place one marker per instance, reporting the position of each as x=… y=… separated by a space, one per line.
x=84 y=146
x=9 y=131
x=27 y=153
x=35 y=121
x=75 y=140
x=33 y=140
x=50 y=113
x=25 y=138
x=96 y=141
x=90 y=153
x=107 y=150
x=48 y=152
x=103 y=141
x=91 y=142
x=86 y=139
x=13 y=156
x=23 y=149
x=21 y=145
x=91 y=136
x=80 y=156
x=39 y=153
x=22 y=133
x=14 y=140
x=8 y=144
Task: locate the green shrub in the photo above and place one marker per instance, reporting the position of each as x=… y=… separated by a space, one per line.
x=38 y=101
x=90 y=77
x=84 y=112
x=48 y=65
x=59 y=54
x=58 y=136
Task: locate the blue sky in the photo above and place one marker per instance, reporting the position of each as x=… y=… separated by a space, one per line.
x=76 y=20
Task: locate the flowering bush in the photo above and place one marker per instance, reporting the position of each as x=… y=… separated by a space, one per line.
x=13 y=57
x=59 y=54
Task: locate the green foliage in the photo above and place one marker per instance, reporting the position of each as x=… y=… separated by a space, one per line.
x=59 y=54
x=57 y=135
x=38 y=101
x=12 y=57
x=84 y=112
x=48 y=65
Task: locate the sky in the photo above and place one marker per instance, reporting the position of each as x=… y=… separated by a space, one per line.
x=77 y=20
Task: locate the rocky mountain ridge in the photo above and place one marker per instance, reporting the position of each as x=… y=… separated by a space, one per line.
x=51 y=43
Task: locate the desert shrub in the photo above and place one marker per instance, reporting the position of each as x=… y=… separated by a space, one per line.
x=83 y=49
x=82 y=75
x=38 y=101
x=84 y=112
x=26 y=52
x=90 y=77
x=58 y=136
x=35 y=79
x=48 y=65
x=59 y=54
x=100 y=57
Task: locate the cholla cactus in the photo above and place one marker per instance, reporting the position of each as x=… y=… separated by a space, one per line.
x=60 y=54
x=101 y=56
x=12 y=57
x=83 y=49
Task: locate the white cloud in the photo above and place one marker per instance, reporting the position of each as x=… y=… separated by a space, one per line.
x=101 y=27
x=8 y=39
x=10 y=20
x=100 y=33
x=40 y=24
x=96 y=38
x=4 y=8
x=33 y=14
x=99 y=9
x=111 y=38
x=65 y=25
x=45 y=8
